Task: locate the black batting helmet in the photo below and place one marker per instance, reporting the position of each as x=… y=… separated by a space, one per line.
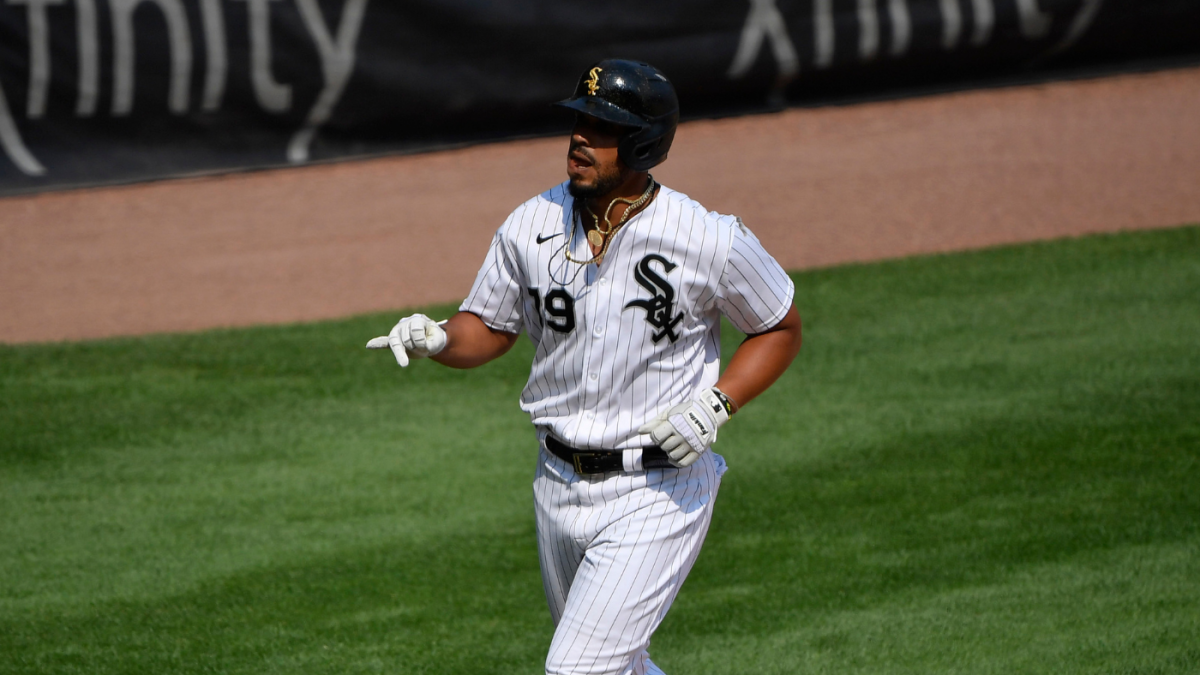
x=635 y=95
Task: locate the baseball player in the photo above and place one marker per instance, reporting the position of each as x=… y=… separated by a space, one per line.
x=620 y=283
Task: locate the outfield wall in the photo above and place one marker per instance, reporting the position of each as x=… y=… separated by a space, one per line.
x=102 y=91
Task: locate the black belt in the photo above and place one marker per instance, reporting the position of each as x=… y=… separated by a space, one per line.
x=603 y=461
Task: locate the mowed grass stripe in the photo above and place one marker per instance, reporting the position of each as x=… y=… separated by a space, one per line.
x=982 y=462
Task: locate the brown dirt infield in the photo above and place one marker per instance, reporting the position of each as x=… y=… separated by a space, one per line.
x=819 y=186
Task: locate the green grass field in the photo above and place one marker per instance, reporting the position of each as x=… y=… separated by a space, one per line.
x=981 y=463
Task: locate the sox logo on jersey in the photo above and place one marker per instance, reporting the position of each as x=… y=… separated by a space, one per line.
x=601 y=369
x=658 y=308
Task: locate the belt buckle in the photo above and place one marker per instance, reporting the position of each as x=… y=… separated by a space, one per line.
x=579 y=456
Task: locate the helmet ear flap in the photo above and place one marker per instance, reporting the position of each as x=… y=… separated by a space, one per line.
x=637 y=154
x=645 y=149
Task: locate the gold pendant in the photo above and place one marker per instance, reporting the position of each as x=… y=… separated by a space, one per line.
x=595 y=238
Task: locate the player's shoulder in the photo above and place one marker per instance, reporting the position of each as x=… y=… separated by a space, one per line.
x=556 y=198
x=542 y=213
x=690 y=213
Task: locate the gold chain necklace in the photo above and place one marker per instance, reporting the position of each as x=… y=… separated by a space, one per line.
x=602 y=238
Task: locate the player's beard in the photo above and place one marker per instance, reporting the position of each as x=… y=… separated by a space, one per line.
x=608 y=178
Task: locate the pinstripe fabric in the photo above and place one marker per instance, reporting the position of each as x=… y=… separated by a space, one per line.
x=594 y=386
x=616 y=548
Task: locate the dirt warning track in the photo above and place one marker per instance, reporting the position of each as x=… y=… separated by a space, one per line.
x=818 y=186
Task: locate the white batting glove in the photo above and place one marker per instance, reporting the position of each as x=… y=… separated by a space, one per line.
x=414 y=337
x=687 y=430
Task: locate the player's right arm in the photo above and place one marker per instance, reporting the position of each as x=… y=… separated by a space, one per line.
x=463 y=341
x=470 y=342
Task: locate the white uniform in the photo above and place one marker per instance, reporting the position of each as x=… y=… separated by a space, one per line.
x=616 y=344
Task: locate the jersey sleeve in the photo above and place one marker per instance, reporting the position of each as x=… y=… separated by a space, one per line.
x=496 y=295
x=754 y=293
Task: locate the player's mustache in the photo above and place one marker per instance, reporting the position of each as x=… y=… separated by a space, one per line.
x=582 y=152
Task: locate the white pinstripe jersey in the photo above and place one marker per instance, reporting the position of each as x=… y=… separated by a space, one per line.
x=618 y=342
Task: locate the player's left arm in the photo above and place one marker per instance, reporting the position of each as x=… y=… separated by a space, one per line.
x=685 y=431
x=760 y=360
x=752 y=290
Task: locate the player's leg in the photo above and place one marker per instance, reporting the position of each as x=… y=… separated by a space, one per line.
x=631 y=572
x=559 y=552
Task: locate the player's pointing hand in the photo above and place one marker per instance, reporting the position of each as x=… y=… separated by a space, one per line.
x=413 y=337
x=687 y=430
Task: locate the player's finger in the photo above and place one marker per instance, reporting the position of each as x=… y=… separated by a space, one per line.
x=401 y=355
x=660 y=430
x=674 y=444
x=397 y=346
x=680 y=452
x=688 y=459
x=380 y=342
x=417 y=334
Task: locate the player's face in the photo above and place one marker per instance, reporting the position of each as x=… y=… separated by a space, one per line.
x=592 y=162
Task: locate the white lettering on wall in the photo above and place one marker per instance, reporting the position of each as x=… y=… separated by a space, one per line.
x=39 y=55
x=985 y=18
x=1035 y=23
x=217 y=61
x=14 y=147
x=765 y=22
x=868 y=30
x=337 y=62
x=901 y=26
x=951 y=24
x=1079 y=25
x=823 y=33
x=88 y=37
x=123 y=54
x=271 y=95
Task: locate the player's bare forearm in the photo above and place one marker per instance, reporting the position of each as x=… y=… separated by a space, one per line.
x=470 y=342
x=761 y=359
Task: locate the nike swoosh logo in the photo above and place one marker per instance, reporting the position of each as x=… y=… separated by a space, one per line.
x=542 y=240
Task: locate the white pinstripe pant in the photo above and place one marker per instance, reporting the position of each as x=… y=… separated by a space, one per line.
x=615 y=549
